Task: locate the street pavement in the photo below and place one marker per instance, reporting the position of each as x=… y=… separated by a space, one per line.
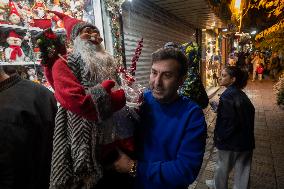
x=268 y=159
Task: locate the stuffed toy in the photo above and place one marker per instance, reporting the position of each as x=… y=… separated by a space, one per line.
x=14 y=52
x=14 y=16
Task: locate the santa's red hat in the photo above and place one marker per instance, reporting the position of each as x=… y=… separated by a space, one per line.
x=13 y=9
x=72 y=26
x=14 y=35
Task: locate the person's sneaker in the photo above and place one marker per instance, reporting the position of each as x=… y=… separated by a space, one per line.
x=210 y=183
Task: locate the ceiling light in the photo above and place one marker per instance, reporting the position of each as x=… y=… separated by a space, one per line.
x=225 y=29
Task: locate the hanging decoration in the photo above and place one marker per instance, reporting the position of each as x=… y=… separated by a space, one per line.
x=128 y=74
x=114 y=9
x=133 y=91
x=136 y=56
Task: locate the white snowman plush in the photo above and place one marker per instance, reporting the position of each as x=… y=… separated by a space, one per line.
x=14 y=52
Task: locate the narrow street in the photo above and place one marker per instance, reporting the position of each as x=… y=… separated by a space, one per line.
x=268 y=165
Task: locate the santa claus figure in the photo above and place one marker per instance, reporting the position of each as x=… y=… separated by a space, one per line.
x=97 y=117
x=14 y=52
x=14 y=16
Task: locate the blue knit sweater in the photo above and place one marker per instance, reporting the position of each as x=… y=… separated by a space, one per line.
x=172 y=141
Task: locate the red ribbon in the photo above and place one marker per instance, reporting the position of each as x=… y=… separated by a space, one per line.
x=16 y=51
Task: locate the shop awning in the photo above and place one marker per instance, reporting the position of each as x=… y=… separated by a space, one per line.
x=199 y=13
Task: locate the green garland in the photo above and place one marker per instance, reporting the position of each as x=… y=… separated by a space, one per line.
x=113 y=8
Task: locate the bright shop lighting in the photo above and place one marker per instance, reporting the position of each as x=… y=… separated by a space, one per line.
x=225 y=29
x=253 y=32
x=238 y=4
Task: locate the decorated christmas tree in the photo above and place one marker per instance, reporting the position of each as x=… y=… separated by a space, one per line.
x=192 y=86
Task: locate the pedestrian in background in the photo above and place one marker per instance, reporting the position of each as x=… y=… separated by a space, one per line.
x=234 y=131
x=274 y=65
x=259 y=71
x=255 y=62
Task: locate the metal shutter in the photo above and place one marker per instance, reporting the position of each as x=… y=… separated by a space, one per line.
x=144 y=19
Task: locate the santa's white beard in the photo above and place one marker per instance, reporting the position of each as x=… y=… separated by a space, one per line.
x=97 y=62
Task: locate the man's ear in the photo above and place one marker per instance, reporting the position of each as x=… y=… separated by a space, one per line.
x=234 y=79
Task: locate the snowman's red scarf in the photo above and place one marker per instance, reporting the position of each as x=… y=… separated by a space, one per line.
x=16 y=51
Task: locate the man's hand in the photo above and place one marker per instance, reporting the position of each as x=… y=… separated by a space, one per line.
x=124 y=163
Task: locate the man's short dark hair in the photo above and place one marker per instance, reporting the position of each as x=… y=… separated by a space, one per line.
x=167 y=53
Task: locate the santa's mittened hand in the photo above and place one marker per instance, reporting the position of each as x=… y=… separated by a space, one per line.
x=108 y=85
x=118 y=100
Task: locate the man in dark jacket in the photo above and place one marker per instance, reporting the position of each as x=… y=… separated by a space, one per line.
x=27 y=113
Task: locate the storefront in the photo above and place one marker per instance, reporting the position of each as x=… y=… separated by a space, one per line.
x=211 y=57
x=23 y=20
x=122 y=24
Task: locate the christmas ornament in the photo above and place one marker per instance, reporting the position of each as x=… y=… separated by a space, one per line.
x=136 y=56
x=133 y=91
x=51 y=46
x=14 y=52
x=14 y=16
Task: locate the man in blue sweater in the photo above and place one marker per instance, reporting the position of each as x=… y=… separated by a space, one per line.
x=172 y=134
